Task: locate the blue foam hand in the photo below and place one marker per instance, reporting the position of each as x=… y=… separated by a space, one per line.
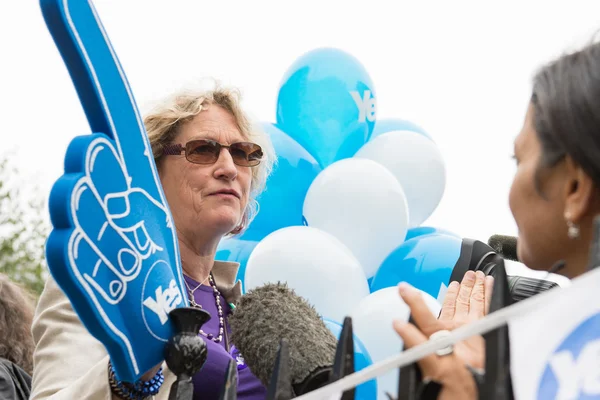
x=113 y=249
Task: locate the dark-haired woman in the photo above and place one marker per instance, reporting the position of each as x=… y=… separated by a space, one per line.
x=554 y=198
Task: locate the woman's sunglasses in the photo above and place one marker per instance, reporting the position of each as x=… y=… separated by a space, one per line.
x=204 y=151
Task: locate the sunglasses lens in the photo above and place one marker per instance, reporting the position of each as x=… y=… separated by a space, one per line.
x=246 y=154
x=202 y=151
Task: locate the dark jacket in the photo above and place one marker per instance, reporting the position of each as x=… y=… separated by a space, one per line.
x=15 y=383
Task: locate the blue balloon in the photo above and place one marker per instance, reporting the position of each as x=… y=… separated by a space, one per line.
x=362 y=359
x=427 y=230
x=236 y=250
x=327 y=103
x=386 y=125
x=425 y=262
x=281 y=202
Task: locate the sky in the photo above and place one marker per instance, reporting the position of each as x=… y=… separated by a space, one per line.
x=459 y=69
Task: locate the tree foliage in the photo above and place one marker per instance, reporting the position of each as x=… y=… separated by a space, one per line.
x=23 y=229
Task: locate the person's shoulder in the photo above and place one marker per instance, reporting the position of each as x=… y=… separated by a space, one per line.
x=52 y=296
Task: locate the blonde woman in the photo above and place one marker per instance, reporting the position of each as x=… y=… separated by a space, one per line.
x=212 y=164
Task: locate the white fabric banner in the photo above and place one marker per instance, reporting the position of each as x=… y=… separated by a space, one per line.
x=555 y=349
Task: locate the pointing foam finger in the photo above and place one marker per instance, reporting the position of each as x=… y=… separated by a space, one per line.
x=102 y=170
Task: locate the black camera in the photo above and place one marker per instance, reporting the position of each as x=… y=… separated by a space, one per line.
x=478 y=256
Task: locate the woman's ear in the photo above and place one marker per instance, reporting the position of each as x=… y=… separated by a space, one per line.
x=580 y=192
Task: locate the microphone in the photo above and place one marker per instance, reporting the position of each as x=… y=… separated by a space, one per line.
x=559 y=265
x=270 y=314
x=504 y=245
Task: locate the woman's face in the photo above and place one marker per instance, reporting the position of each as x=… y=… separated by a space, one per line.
x=540 y=221
x=194 y=191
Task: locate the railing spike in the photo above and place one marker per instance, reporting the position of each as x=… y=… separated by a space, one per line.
x=229 y=391
x=280 y=386
x=344 y=358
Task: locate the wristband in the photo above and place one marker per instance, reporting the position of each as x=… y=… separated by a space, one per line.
x=139 y=390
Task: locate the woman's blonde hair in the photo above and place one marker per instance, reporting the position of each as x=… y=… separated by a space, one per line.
x=164 y=122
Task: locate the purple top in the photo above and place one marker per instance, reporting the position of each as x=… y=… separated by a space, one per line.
x=210 y=380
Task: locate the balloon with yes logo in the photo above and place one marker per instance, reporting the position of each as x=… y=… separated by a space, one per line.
x=113 y=249
x=327 y=103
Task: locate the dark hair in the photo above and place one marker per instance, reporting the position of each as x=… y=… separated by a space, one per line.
x=16 y=316
x=566 y=105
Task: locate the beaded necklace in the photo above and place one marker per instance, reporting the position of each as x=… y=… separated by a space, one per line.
x=217 y=295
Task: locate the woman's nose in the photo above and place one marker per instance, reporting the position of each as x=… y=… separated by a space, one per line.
x=225 y=167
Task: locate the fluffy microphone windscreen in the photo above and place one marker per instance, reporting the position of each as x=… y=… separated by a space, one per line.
x=504 y=245
x=271 y=312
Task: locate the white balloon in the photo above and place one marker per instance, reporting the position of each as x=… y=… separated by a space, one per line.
x=417 y=163
x=361 y=203
x=313 y=263
x=372 y=323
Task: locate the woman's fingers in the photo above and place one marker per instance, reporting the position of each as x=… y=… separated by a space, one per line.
x=419 y=311
x=412 y=336
x=464 y=295
x=449 y=305
x=477 y=298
